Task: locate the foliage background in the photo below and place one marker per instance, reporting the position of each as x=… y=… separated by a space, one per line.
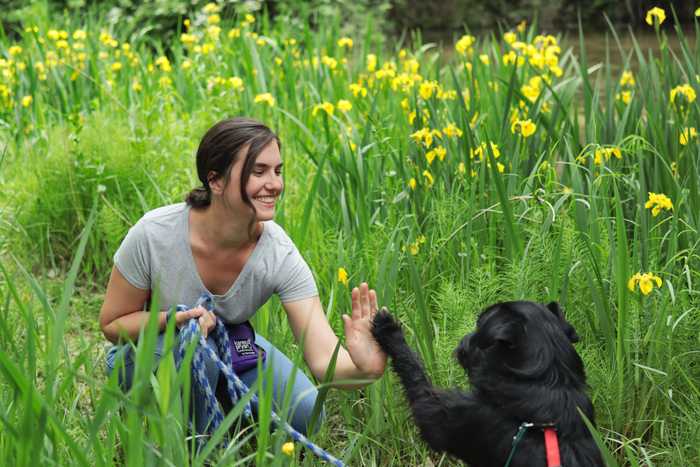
x=435 y=19
x=85 y=151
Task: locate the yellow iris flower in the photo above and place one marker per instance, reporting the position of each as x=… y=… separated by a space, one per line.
x=464 y=44
x=343 y=276
x=288 y=448
x=344 y=105
x=371 y=62
x=657 y=202
x=525 y=127
x=265 y=98
x=325 y=106
x=684 y=90
x=687 y=134
x=655 y=15
x=345 y=42
x=627 y=79
x=645 y=281
x=452 y=131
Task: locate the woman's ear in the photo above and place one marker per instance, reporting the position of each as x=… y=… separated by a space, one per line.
x=216 y=183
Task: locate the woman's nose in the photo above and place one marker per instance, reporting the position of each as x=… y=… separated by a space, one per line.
x=274 y=181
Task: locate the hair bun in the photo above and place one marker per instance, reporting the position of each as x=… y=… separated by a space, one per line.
x=200 y=197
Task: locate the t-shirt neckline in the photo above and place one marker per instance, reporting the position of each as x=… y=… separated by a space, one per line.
x=245 y=270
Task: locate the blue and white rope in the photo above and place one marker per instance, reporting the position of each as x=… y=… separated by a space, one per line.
x=236 y=388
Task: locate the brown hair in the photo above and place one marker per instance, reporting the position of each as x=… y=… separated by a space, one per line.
x=220 y=148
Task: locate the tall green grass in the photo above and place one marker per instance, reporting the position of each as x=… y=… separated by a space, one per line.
x=558 y=220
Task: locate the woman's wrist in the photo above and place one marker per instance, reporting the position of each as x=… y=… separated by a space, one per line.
x=357 y=380
x=170 y=316
x=350 y=371
x=373 y=375
x=370 y=376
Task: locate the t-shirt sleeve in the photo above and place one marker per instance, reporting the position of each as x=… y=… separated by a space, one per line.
x=295 y=279
x=133 y=257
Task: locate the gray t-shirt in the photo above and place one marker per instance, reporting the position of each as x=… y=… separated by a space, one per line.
x=156 y=255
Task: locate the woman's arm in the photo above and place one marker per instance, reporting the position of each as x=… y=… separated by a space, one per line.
x=121 y=315
x=363 y=359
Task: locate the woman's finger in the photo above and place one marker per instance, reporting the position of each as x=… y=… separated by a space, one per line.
x=364 y=299
x=205 y=324
x=183 y=316
x=372 y=303
x=196 y=312
x=356 y=307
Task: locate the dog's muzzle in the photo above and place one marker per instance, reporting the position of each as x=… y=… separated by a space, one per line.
x=464 y=352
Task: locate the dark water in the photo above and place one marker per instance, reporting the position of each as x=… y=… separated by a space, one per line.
x=597 y=44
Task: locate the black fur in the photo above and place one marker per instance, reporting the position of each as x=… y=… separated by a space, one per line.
x=522 y=367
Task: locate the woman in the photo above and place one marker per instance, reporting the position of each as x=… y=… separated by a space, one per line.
x=223 y=241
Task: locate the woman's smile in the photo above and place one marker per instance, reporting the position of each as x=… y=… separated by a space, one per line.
x=267 y=201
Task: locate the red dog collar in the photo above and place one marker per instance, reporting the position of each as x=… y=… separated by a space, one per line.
x=551 y=447
x=551 y=442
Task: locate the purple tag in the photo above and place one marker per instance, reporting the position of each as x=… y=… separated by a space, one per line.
x=244 y=351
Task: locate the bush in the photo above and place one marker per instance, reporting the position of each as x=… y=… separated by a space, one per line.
x=130 y=168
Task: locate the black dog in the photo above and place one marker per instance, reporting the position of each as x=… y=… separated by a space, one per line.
x=522 y=367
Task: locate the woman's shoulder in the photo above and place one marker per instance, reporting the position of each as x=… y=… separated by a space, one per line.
x=277 y=235
x=163 y=220
x=165 y=216
x=164 y=213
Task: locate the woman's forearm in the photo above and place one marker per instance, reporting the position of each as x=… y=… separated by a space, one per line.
x=129 y=326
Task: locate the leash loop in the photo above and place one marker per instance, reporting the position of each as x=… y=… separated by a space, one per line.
x=516 y=439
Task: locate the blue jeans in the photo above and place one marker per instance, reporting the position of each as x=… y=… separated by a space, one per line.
x=303 y=395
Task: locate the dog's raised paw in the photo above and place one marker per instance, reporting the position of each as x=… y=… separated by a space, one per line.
x=384 y=325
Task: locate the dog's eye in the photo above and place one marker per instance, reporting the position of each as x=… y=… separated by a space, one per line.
x=507 y=344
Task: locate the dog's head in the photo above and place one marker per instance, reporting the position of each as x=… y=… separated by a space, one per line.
x=521 y=341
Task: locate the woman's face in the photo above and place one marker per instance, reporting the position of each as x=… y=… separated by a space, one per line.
x=264 y=185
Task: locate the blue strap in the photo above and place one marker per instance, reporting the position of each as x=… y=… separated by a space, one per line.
x=235 y=387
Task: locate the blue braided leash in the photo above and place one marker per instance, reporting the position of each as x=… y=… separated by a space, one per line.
x=236 y=388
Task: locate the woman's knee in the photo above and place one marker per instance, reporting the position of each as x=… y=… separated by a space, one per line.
x=304 y=393
x=303 y=418
x=303 y=414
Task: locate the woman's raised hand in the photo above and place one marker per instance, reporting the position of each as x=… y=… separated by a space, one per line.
x=364 y=351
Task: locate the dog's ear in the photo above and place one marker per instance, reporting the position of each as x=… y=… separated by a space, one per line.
x=508 y=334
x=556 y=309
x=568 y=328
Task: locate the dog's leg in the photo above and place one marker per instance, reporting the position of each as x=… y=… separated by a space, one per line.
x=406 y=363
x=435 y=410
